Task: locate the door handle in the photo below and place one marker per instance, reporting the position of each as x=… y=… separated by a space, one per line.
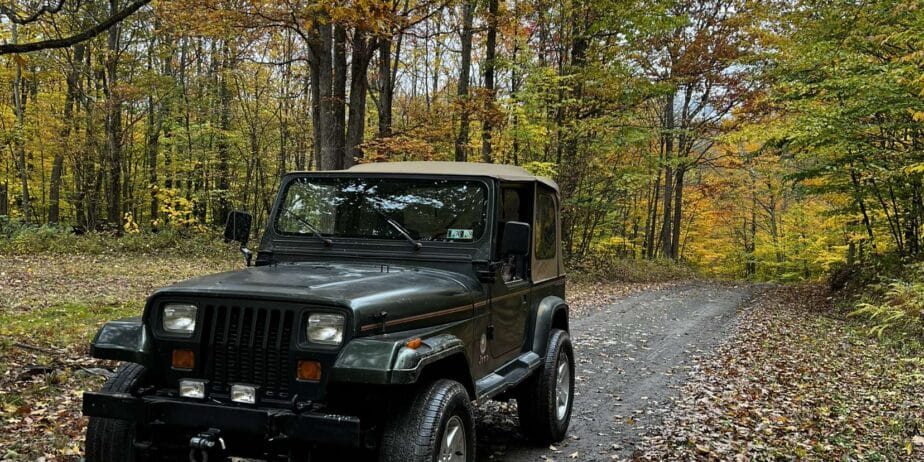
x=524 y=299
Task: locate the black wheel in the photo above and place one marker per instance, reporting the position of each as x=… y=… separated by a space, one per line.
x=113 y=440
x=544 y=401
x=435 y=425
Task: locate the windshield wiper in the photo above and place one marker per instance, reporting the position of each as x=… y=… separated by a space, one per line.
x=314 y=229
x=394 y=224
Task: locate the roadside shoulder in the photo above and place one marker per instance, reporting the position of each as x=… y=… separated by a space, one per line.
x=794 y=380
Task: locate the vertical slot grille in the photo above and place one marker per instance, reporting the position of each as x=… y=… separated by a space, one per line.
x=249 y=345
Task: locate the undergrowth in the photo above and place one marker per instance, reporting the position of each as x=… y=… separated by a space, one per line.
x=612 y=268
x=886 y=294
x=17 y=238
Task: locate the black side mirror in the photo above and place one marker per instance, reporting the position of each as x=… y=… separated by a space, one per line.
x=516 y=239
x=237 y=228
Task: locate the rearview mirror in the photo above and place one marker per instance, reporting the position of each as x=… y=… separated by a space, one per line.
x=516 y=239
x=237 y=227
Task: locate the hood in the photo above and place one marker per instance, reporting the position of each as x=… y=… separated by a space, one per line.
x=367 y=289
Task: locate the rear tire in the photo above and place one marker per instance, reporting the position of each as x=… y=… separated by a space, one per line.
x=113 y=440
x=545 y=400
x=434 y=425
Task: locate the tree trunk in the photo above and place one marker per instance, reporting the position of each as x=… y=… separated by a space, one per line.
x=19 y=107
x=751 y=244
x=386 y=89
x=491 y=50
x=515 y=89
x=156 y=113
x=114 y=124
x=437 y=63
x=666 y=232
x=678 y=211
x=652 y=218
x=57 y=167
x=314 y=64
x=468 y=13
x=4 y=199
x=338 y=101
x=356 y=124
x=224 y=145
x=284 y=108
x=84 y=171
x=327 y=159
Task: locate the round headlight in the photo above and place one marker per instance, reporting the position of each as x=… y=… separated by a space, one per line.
x=180 y=318
x=325 y=328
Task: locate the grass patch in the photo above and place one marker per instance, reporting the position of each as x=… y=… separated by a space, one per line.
x=38 y=281
x=64 y=325
x=56 y=301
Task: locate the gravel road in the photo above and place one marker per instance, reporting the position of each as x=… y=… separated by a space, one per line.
x=632 y=355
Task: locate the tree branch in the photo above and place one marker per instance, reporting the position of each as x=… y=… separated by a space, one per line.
x=9 y=48
x=14 y=17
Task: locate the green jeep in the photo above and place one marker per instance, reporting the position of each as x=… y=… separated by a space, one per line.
x=384 y=299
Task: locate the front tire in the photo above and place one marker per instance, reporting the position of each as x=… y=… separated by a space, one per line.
x=544 y=401
x=113 y=440
x=435 y=425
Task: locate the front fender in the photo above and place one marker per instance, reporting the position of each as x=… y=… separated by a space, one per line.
x=122 y=340
x=545 y=318
x=386 y=359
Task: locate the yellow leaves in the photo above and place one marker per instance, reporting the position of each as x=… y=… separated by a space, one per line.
x=396 y=148
x=546 y=169
x=178 y=209
x=915 y=168
x=129 y=224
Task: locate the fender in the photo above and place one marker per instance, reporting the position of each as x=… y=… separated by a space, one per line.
x=551 y=310
x=386 y=360
x=122 y=340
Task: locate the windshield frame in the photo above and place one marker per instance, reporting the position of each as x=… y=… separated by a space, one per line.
x=339 y=241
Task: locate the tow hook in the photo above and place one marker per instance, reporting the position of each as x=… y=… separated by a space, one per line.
x=205 y=443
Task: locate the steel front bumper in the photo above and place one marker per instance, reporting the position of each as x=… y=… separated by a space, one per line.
x=272 y=423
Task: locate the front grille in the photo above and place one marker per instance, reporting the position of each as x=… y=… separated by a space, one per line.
x=249 y=345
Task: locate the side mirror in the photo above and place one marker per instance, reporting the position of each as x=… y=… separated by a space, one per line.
x=516 y=239
x=237 y=228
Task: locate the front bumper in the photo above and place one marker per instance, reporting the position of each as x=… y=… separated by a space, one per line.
x=307 y=426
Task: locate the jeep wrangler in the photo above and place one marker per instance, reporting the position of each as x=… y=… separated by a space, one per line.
x=384 y=299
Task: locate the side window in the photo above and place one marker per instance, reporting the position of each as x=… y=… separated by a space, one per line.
x=545 y=227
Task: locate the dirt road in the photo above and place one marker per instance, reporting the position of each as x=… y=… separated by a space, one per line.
x=631 y=356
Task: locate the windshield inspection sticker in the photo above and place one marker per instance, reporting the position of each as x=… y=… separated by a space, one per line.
x=460 y=234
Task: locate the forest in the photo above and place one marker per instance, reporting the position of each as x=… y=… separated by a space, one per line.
x=742 y=191
x=768 y=140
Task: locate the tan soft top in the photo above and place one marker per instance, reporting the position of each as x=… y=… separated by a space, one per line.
x=499 y=171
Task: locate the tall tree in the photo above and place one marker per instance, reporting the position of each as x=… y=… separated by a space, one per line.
x=489 y=66
x=19 y=107
x=113 y=121
x=468 y=16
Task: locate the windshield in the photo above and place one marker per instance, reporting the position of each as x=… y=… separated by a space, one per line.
x=428 y=210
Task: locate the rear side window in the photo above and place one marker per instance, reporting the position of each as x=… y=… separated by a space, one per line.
x=545 y=232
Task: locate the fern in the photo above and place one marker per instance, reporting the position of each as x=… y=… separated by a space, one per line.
x=901 y=309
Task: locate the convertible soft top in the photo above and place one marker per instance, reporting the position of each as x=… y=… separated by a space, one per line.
x=499 y=171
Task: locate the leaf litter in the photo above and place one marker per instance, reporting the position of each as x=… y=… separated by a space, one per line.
x=797 y=381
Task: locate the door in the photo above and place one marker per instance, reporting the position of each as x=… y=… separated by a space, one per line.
x=510 y=294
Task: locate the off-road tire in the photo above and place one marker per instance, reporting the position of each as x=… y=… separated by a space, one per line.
x=113 y=440
x=414 y=432
x=537 y=397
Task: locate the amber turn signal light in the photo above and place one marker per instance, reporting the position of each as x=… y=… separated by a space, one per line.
x=414 y=343
x=309 y=371
x=184 y=359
